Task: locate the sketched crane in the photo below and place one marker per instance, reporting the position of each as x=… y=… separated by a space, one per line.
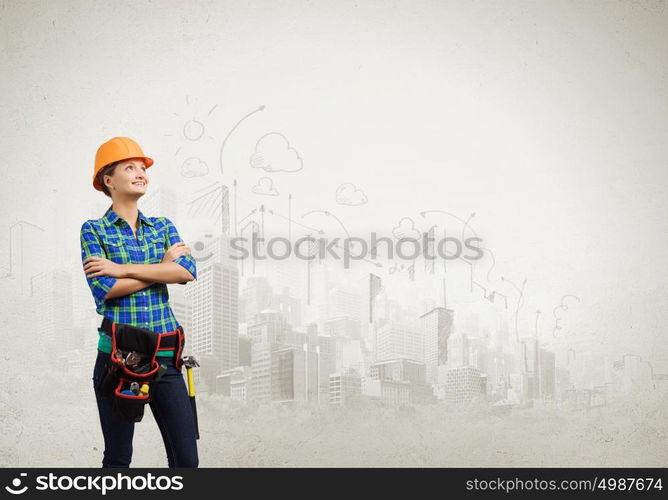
x=10 y=274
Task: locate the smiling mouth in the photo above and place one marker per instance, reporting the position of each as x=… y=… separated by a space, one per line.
x=139 y=183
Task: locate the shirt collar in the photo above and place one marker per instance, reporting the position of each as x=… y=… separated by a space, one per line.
x=110 y=217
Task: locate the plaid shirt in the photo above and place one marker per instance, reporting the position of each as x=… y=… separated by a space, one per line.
x=112 y=238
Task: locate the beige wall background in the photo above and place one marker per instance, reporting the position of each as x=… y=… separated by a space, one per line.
x=546 y=119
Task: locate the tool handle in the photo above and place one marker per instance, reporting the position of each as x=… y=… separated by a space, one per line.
x=191 y=382
x=194 y=407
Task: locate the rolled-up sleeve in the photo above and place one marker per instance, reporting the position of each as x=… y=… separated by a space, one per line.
x=91 y=247
x=186 y=261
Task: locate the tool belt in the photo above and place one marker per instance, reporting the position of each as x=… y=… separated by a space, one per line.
x=134 y=365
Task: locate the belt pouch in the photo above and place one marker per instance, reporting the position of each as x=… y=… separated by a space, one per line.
x=124 y=339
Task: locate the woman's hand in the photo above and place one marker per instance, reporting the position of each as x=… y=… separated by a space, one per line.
x=176 y=250
x=99 y=266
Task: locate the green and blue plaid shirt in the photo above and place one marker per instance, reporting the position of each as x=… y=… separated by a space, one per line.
x=112 y=238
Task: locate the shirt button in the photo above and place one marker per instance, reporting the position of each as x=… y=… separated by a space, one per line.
x=146 y=308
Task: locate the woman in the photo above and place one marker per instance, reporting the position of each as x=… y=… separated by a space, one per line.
x=128 y=259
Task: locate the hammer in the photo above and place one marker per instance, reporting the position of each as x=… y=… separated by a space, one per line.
x=190 y=362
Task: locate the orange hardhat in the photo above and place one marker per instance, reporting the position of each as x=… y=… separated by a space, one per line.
x=117 y=149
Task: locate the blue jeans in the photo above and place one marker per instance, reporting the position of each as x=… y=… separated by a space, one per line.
x=171 y=409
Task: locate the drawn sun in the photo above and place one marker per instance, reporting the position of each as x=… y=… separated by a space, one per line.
x=192 y=129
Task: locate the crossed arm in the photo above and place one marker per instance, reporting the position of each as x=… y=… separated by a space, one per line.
x=109 y=280
x=126 y=286
x=140 y=276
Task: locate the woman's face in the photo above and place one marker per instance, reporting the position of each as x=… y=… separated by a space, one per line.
x=129 y=178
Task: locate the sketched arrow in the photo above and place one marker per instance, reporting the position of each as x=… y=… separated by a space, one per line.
x=464 y=222
x=309 y=228
x=328 y=214
x=222 y=146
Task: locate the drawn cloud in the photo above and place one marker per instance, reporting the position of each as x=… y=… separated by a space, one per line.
x=265 y=186
x=194 y=167
x=406 y=229
x=348 y=194
x=274 y=154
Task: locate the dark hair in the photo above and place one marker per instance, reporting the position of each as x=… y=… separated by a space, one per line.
x=106 y=170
